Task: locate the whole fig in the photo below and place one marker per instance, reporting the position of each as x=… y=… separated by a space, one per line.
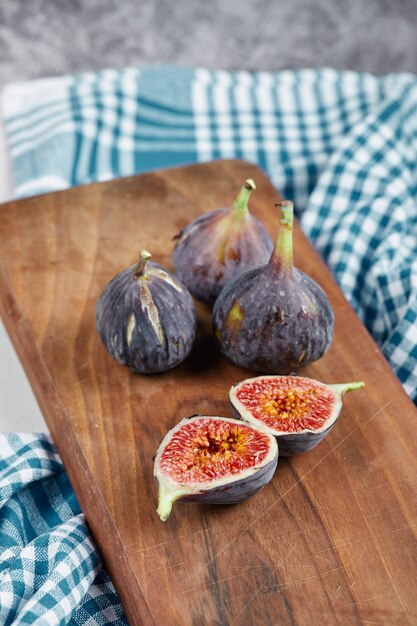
x=219 y=245
x=146 y=318
x=274 y=318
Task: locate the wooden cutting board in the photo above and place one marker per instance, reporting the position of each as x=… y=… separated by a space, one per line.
x=331 y=540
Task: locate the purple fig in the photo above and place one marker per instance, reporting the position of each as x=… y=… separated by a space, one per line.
x=274 y=318
x=146 y=318
x=219 y=245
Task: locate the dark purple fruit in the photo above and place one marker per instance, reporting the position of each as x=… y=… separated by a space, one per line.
x=215 y=460
x=219 y=245
x=298 y=411
x=146 y=318
x=274 y=318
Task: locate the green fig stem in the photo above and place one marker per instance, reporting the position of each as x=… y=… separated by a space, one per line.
x=140 y=269
x=164 y=509
x=240 y=205
x=344 y=387
x=282 y=256
x=166 y=498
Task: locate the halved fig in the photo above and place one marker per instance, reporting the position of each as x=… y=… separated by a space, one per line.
x=216 y=460
x=298 y=411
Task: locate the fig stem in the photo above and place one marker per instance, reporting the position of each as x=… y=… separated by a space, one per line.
x=240 y=205
x=282 y=255
x=164 y=509
x=140 y=269
x=166 y=498
x=344 y=387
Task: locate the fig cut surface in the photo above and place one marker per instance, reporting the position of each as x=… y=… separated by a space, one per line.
x=213 y=459
x=298 y=411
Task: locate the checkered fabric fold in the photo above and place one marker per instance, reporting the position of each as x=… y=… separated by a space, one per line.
x=50 y=569
x=342 y=145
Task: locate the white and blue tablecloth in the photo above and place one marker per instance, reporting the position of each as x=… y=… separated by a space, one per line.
x=342 y=145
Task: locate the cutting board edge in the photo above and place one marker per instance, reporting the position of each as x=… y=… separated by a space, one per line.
x=121 y=179
x=19 y=331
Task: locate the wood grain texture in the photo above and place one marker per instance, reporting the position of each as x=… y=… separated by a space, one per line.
x=332 y=538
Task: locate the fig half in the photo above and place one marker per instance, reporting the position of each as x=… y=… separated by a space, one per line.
x=214 y=460
x=219 y=245
x=298 y=411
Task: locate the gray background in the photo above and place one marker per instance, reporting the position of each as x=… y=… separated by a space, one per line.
x=50 y=37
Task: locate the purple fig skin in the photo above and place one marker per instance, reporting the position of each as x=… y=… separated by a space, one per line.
x=302 y=442
x=274 y=318
x=216 y=247
x=146 y=319
x=237 y=491
x=261 y=330
x=296 y=443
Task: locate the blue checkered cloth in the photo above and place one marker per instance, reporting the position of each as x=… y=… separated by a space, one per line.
x=50 y=569
x=342 y=145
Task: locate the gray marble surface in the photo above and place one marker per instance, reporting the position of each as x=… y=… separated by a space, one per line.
x=41 y=38
x=44 y=37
